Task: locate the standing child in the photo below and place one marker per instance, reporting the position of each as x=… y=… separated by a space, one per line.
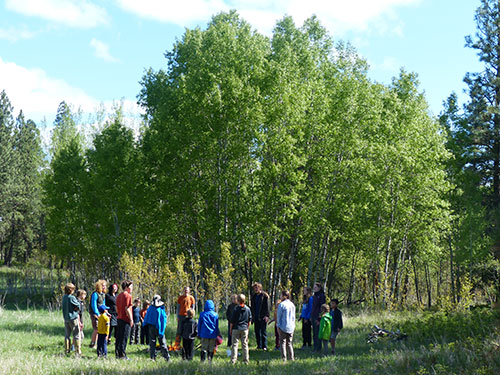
x=136 y=313
x=208 y=330
x=70 y=308
x=155 y=321
x=229 y=313
x=337 y=323
x=305 y=316
x=325 y=327
x=103 y=323
x=240 y=323
x=144 y=331
x=81 y=295
x=188 y=333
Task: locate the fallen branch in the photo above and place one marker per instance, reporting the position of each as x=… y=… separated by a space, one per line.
x=378 y=333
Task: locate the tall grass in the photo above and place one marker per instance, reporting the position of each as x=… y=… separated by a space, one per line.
x=31 y=342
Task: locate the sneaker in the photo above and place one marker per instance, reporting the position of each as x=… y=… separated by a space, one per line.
x=264 y=349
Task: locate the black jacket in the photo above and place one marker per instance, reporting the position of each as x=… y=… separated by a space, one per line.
x=263 y=309
x=189 y=329
x=337 y=323
x=229 y=311
x=241 y=318
x=110 y=301
x=318 y=300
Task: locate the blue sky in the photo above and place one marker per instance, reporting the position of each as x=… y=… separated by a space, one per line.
x=89 y=52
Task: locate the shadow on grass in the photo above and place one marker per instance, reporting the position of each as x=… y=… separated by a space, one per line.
x=29 y=328
x=259 y=364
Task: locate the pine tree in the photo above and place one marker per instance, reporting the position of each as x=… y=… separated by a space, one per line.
x=483 y=109
x=7 y=174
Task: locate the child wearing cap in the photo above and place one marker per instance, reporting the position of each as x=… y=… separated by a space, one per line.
x=103 y=331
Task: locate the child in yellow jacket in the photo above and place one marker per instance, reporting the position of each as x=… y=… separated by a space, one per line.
x=103 y=331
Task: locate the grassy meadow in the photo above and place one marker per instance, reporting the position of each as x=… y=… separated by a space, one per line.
x=31 y=342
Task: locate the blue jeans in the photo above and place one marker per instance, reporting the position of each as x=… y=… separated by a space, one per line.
x=102 y=345
x=316 y=339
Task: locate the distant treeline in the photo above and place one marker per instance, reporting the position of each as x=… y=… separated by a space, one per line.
x=272 y=159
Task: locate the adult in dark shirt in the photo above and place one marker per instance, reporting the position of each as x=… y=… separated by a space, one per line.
x=125 y=319
x=229 y=313
x=240 y=323
x=318 y=300
x=111 y=303
x=260 y=313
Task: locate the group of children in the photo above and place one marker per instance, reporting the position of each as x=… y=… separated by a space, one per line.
x=330 y=325
x=149 y=323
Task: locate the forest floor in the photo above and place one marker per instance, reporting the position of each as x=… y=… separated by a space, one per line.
x=31 y=342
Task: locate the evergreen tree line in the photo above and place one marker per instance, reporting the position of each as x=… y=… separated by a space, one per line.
x=272 y=159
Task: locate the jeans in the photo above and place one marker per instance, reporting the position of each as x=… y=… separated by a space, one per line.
x=102 y=345
x=316 y=339
x=144 y=335
x=325 y=343
x=286 y=345
x=261 y=333
x=134 y=333
x=122 y=333
x=153 y=334
x=180 y=320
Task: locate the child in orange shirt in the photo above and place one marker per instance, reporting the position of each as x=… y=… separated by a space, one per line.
x=144 y=331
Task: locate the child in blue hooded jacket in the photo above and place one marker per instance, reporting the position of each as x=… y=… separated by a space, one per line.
x=208 y=330
x=155 y=322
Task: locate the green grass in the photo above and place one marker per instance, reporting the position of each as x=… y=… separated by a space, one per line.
x=31 y=342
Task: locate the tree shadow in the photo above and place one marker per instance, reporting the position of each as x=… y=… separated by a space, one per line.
x=50 y=330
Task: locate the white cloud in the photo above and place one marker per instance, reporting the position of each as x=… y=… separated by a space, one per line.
x=33 y=91
x=39 y=95
x=181 y=13
x=101 y=51
x=74 y=13
x=338 y=16
x=14 y=34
